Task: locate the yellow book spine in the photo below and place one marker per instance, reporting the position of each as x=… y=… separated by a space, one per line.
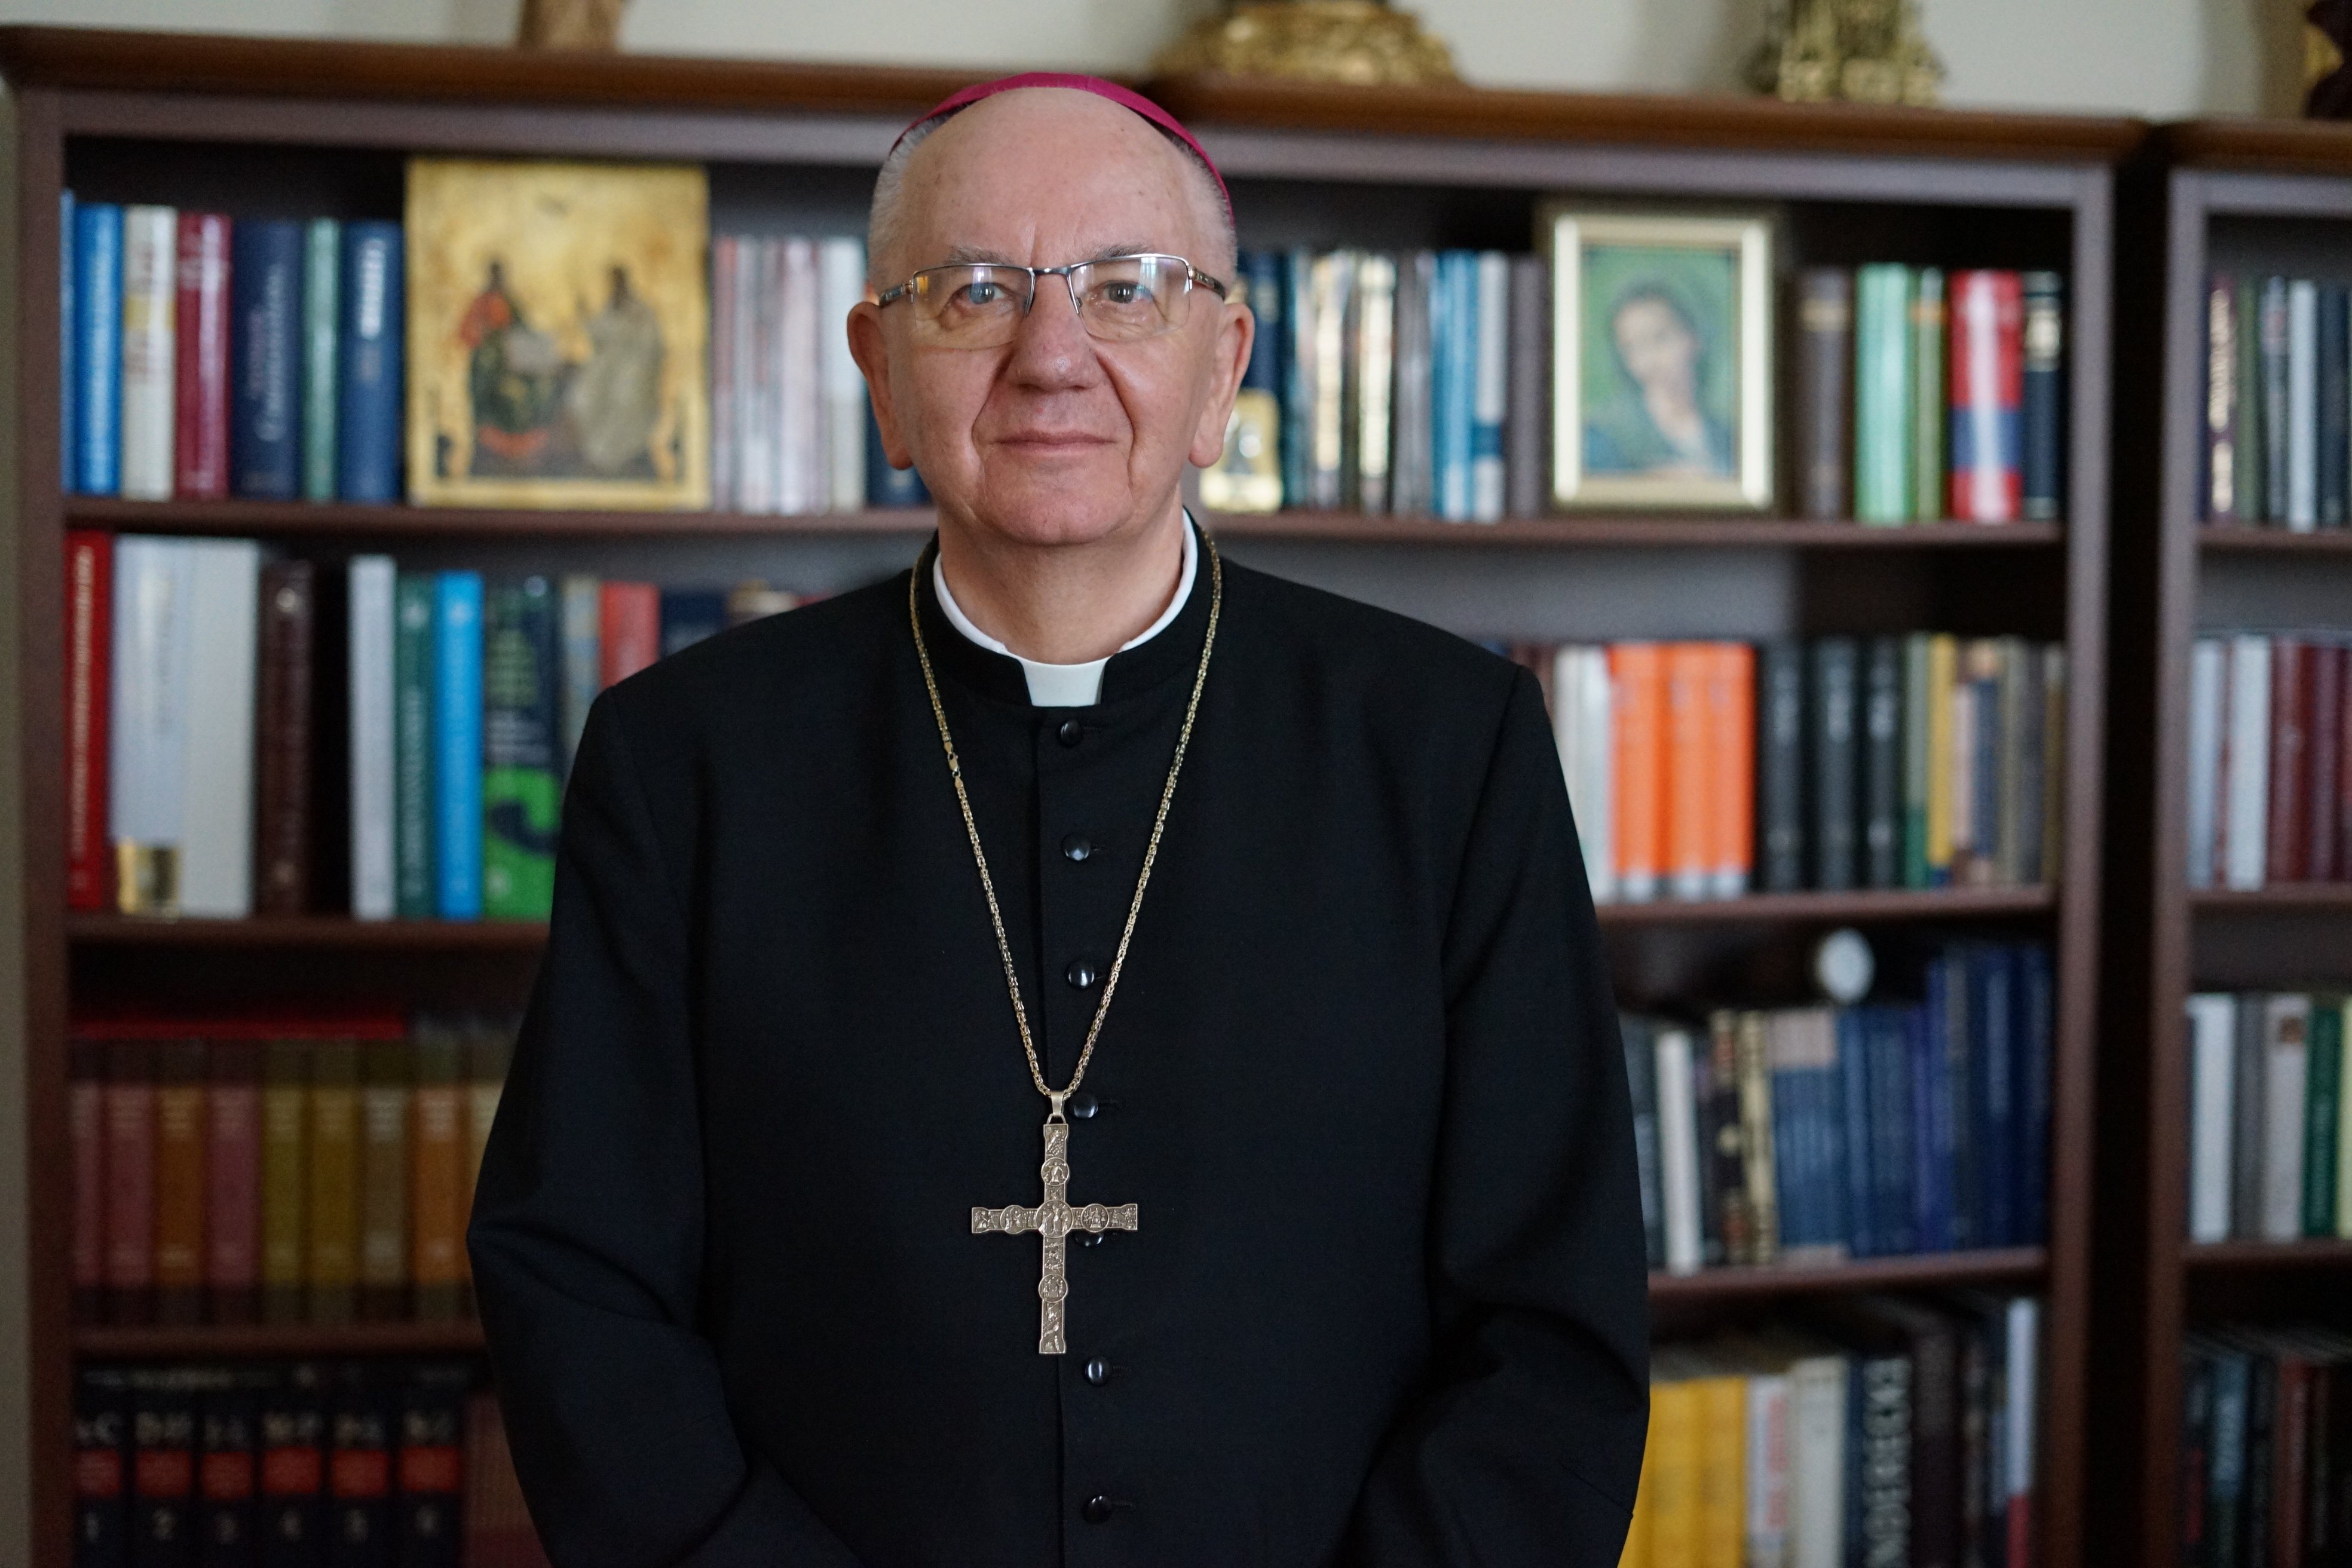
x=332 y=1261
x=438 y=1148
x=1722 y=1445
x=1943 y=668
x=1673 y=1492
x=383 y=1180
x=1637 y=1554
x=285 y=1133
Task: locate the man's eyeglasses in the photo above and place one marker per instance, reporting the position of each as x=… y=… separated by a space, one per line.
x=1120 y=298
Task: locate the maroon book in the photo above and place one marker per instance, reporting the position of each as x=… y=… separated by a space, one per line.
x=201 y=359
x=129 y=1108
x=2290 y=715
x=232 y=1181
x=282 y=837
x=86 y=1134
x=2322 y=743
x=90 y=650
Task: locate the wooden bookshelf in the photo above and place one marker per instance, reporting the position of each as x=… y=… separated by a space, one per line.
x=248 y=125
x=2249 y=196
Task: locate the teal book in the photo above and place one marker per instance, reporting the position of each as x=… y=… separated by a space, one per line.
x=2323 y=1083
x=323 y=247
x=1927 y=398
x=1918 y=769
x=521 y=732
x=1882 y=394
x=412 y=747
x=2252 y=437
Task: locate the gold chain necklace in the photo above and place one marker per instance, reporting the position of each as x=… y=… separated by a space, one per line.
x=1056 y=1217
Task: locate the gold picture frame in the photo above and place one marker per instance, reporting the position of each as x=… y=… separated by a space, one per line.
x=1661 y=359
x=558 y=323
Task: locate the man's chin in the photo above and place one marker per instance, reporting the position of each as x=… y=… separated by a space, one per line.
x=1058 y=509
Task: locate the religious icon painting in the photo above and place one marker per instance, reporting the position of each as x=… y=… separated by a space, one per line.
x=1661 y=359
x=558 y=326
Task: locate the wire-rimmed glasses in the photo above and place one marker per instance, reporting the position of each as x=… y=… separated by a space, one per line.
x=1120 y=298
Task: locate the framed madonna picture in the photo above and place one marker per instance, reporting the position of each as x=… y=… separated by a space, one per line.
x=1661 y=359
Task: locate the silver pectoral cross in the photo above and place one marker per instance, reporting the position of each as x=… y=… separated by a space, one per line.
x=1054 y=1220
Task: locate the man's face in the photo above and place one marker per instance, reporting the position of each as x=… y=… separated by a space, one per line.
x=1055 y=438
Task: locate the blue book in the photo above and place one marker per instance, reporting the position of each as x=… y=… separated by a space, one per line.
x=1858 y=1149
x=2225 y=1490
x=689 y=615
x=68 y=337
x=1887 y=1033
x=457 y=744
x=1959 y=1086
x=265 y=420
x=1825 y=1113
x=1298 y=372
x=1789 y=1159
x=96 y=468
x=2037 y=1017
x=1992 y=1013
x=374 y=316
x=1931 y=1115
x=887 y=487
x=1455 y=346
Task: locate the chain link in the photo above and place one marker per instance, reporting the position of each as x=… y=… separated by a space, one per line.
x=1151 y=853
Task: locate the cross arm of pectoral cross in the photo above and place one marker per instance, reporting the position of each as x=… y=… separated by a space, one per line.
x=1054 y=1220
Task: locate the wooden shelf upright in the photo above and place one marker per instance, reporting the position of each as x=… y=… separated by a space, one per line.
x=289 y=129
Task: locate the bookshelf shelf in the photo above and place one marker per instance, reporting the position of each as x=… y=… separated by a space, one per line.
x=2286 y=897
x=289 y=1340
x=310 y=519
x=1886 y=904
x=2249 y=1256
x=2273 y=541
x=1998 y=1266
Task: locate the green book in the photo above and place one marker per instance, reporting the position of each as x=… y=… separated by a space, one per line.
x=412 y=746
x=320 y=329
x=1882 y=394
x=2252 y=444
x=521 y=719
x=1929 y=399
x=1917 y=780
x=2321 y=1083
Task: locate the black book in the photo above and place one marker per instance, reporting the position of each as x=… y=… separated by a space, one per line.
x=102 y=1528
x=163 y=1467
x=293 y=1433
x=2261 y=1416
x=2334 y=421
x=1835 y=673
x=1882 y=773
x=1642 y=1084
x=228 y=1503
x=1729 y=1228
x=2044 y=395
x=1878 y=1459
x=1781 y=769
x=361 y=1531
x=2196 y=1456
x=431 y=1473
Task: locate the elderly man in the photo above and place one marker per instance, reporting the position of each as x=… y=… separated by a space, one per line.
x=1263 y=906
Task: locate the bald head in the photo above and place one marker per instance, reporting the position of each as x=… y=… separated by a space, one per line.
x=1049 y=151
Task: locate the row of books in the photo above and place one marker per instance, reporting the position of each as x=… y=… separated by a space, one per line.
x=788 y=406
x=325 y=1464
x=202 y=356
x=1705 y=770
x=2267 y=1112
x=1876 y=1430
x=276 y=1170
x=1922 y=396
x=2270 y=770
x=2278 y=404
x=1816 y=1135
x=213 y=698
x=2266 y=1440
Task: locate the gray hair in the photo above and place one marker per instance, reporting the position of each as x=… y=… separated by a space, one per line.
x=886 y=222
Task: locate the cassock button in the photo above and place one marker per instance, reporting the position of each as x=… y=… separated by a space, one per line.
x=1081 y=974
x=1081 y=1106
x=1071 y=733
x=1098 y=1371
x=1098 y=1509
x=1077 y=847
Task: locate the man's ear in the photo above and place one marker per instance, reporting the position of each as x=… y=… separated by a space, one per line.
x=873 y=357
x=1236 y=330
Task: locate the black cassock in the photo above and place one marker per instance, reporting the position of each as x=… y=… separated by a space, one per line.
x=1386 y=1302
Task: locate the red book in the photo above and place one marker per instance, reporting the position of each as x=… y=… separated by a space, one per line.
x=631 y=632
x=89 y=601
x=1988 y=395
x=201 y=356
x=86 y=1137
x=130 y=1115
x=2323 y=749
x=232 y=1181
x=2283 y=858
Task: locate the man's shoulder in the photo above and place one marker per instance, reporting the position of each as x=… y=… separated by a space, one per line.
x=1315 y=629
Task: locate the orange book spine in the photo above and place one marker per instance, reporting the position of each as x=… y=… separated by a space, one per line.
x=1638 y=729
x=180 y=1182
x=1731 y=753
x=1690 y=769
x=437 y=1146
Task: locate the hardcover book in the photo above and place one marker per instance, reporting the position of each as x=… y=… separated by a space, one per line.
x=265 y=279
x=200 y=318
x=521 y=719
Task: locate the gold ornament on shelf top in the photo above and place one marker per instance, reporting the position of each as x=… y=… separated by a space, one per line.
x=594 y=24
x=1862 y=51
x=1360 y=43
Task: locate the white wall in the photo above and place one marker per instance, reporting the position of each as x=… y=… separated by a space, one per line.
x=2164 y=59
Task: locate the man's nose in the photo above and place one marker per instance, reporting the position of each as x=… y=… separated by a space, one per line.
x=1051 y=348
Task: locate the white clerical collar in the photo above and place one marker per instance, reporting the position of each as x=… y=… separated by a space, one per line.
x=1069 y=685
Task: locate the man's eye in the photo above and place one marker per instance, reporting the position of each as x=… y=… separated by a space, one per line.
x=1124 y=293
x=981 y=293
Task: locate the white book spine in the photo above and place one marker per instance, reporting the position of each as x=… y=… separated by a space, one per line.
x=1491 y=391
x=372 y=737
x=1678 y=1152
x=842 y=265
x=2287 y=1025
x=1768 y=1470
x=151 y=258
x=1817 y=1398
x=2212 y=1075
x=798 y=482
x=759 y=326
x=2022 y=1407
x=726 y=367
x=2246 y=762
x=147 y=718
x=583 y=659
x=1375 y=352
x=217 y=856
x=2301 y=405
x=1596 y=795
x=2209 y=667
